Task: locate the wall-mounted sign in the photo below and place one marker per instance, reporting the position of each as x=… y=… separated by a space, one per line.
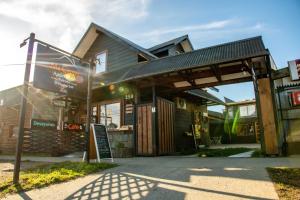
x=294 y=67
x=296 y=98
x=57 y=72
x=41 y=124
x=73 y=127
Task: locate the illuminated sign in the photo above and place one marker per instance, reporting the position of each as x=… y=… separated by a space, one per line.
x=73 y=127
x=296 y=98
x=294 y=67
x=41 y=124
x=57 y=72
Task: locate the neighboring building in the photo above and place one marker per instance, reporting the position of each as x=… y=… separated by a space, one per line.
x=288 y=105
x=149 y=98
x=241 y=122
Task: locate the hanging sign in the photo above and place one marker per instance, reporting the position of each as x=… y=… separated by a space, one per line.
x=294 y=67
x=100 y=143
x=60 y=73
x=40 y=124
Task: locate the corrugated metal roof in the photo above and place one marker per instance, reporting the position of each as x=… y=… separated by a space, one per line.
x=205 y=95
x=167 y=43
x=232 y=51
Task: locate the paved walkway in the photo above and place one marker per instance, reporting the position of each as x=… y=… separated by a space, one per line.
x=223 y=146
x=172 y=178
x=247 y=154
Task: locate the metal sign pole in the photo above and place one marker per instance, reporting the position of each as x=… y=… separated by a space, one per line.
x=23 y=109
x=88 y=113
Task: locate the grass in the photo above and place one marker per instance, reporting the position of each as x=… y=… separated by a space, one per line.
x=257 y=154
x=51 y=173
x=286 y=182
x=221 y=152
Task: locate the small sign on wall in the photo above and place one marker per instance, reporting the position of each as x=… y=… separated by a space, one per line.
x=295 y=98
x=73 y=127
x=40 y=124
x=294 y=67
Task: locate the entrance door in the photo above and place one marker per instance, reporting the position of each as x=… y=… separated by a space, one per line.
x=165 y=120
x=144 y=130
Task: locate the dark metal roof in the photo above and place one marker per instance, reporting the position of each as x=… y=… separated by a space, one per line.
x=205 y=95
x=228 y=52
x=170 y=42
x=117 y=38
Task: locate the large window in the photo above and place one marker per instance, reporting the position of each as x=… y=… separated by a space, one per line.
x=110 y=115
x=101 y=63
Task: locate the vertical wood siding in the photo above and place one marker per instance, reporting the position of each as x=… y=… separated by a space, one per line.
x=144 y=130
x=165 y=126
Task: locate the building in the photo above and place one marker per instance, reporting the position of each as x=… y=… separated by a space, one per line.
x=288 y=110
x=148 y=98
x=241 y=123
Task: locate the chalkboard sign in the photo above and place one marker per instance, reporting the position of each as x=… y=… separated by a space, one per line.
x=102 y=145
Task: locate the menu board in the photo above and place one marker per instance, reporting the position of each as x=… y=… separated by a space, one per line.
x=102 y=145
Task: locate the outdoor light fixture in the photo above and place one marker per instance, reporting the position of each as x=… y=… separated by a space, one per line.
x=24 y=42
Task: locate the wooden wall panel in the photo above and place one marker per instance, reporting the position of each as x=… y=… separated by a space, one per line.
x=144 y=130
x=165 y=126
x=268 y=116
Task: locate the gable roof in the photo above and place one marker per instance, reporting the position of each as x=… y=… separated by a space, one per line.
x=227 y=52
x=91 y=34
x=174 y=41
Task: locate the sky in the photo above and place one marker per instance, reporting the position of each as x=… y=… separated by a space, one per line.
x=149 y=22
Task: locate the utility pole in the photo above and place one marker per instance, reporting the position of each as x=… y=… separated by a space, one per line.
x=23 y=108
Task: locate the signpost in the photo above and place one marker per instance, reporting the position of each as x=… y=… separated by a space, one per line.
x=23 y=107
x=58 y=71
x=100 y=143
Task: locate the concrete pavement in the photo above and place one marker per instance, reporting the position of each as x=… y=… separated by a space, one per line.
x=172 y=178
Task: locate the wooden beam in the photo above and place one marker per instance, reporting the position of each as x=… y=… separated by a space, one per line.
x=239 y=80
x=216 y=71
x=168 y=79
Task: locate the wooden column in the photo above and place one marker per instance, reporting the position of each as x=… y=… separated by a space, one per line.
x=268 y=116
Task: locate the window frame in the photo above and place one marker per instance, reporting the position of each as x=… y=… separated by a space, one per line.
x=105 y=67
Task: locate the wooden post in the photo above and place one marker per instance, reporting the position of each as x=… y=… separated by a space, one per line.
x=23 y=109
x=261 y=130
x=268 y=116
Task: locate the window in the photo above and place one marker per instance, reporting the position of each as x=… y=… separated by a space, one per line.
x=110 y=115
x=101 y=59
x=230 y=112
x=1 y=102
x=249 y=110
